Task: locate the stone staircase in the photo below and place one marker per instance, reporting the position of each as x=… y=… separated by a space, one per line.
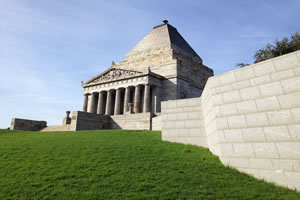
x=67 y=127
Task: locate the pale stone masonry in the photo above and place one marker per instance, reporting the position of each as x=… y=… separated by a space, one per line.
x=162 y=66
x=250 y=117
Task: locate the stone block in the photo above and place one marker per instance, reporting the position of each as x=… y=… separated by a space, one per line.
x=257 y=120
x=221 y=123
x=246 y=107
x=289 y=150
x=249 y=93
x=294 y=131
x=244 y=73
x=213 y=82
x=222 y=89
x=171 y=104
x=291 y=100
x=164 y=117
x=217 y=99
x=228 y=109
x=225 y=161
x=282 y=75
x=238 y=121
x=293 y=179
x=225 y=150
x=181 y=103
x=254 y=135
x=233 y=135
x=267 y=104
x=291 y=85
x=179 y=124
x=286 y=62
x=258 y=163
x=277 y=133
x=271 y=89
x=252 y=172
x=239 y=162
x=275 y=176
x=281 y=117
x=263 y=68
x=183 y=132
x=182 y=116
x=192 y=124
x=241 y=85
x=163 y=104
x=298 y=55
x=243 y=150
x=168 y=125
x=296 y=114
x=193 y=115
x=194 y=132
x=172 y=116
x=297 y=71
x=286 y=165
x=172 y=133
x=226 y=78
x=265 y=150
x=231 y=97
x=194 y=102
x=260 y=80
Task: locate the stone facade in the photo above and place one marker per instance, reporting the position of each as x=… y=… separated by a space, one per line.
x=160 y=67
x=251 y=119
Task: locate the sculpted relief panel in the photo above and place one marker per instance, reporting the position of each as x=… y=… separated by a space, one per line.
x=115 y=74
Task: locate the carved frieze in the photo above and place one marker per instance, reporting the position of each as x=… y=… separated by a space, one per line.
x=115 y=74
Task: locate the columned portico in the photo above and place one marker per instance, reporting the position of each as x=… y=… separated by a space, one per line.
x=111 y=95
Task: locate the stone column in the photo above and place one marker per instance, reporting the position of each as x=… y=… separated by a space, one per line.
x=108 y=109
x=126 y=99
x=147 y=98
x=157 y=100
x=100 y=107
x=93 y=103
x=137 y=96
x=89 y=106
x=118 y=102
x=85 y=102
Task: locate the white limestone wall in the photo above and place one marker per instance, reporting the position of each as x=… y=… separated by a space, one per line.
x=252 y=119
x=182 y=122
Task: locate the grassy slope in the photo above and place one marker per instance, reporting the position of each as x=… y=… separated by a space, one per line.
x=118 y=165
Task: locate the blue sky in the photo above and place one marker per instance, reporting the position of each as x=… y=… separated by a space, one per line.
x=48 y=47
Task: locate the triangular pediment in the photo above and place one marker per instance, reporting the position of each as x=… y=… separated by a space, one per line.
x=113 y=74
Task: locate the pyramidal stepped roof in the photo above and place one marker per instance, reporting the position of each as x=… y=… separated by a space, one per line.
x=160 y=36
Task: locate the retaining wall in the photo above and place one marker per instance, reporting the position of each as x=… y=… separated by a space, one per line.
x=27 y=125
x=182 y=121
x=137 y=121
x=252 y=119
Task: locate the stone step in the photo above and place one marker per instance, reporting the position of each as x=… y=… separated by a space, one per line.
x=57 y=128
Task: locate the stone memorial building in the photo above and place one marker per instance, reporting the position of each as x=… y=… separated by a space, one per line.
x=128 y=95
x=161 y=67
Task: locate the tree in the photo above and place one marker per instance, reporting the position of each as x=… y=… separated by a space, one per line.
x=280 y=47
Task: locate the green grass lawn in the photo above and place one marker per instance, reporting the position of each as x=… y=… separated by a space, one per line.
x=115 y=164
